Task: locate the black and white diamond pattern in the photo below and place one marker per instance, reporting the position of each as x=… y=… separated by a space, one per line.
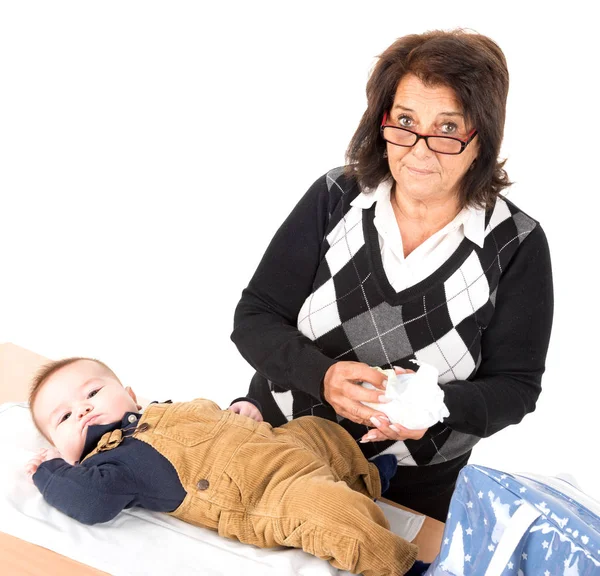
x=351 y=314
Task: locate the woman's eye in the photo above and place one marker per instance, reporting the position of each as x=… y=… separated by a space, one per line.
x=449 y=128
x=405 y=121
x=64 y=417
x=93 y=393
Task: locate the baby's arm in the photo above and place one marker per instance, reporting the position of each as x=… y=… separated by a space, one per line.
x=90 y=494
x=246 y=408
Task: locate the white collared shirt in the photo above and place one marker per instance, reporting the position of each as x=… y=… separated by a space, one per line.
x=404 y=272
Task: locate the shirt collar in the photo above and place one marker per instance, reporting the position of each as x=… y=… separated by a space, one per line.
x=96 y=431
x=471 y=218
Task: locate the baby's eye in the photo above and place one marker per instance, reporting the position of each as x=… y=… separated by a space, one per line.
x=64 y=417
x=405 y=121
x=93 y=393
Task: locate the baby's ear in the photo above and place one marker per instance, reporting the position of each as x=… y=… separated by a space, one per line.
x=133 y=396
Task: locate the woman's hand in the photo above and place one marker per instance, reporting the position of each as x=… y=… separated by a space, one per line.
x=43 y=455
x=386 y=431
x=342 y=389
x=246 y=409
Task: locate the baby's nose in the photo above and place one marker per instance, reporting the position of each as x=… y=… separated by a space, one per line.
x=84 y=410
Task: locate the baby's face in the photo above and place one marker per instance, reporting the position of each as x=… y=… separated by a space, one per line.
x=76 y=396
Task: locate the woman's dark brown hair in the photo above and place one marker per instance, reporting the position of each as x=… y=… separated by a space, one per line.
x=474 y=67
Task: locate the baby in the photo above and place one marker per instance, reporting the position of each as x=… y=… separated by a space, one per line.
x=305 y=484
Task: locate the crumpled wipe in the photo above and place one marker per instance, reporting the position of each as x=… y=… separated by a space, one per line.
x=417 y=400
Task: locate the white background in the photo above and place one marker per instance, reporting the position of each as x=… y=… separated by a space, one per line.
x=149 y=151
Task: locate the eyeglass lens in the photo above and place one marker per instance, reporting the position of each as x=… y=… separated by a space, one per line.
x=403 y=137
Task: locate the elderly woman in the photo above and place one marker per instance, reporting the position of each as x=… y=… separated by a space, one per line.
x=409 y=252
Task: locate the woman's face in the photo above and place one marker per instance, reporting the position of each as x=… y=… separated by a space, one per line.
x=420 y=173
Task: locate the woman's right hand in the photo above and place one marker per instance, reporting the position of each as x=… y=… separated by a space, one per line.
x=342 y=389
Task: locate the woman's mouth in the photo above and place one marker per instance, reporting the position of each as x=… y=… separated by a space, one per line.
x=419 y=171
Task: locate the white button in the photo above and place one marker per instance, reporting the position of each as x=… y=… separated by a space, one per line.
x=132 y=418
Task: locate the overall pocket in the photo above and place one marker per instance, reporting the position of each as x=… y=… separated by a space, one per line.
x=191 y=423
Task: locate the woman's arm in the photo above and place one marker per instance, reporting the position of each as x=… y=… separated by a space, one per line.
x=265 y=322
x=513 y=347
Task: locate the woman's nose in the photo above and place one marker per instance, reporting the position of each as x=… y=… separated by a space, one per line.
x=420 y=149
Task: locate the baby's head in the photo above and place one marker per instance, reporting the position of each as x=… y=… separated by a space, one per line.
x=69 y=395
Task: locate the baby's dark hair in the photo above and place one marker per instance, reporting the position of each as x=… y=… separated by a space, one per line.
x=45 y=372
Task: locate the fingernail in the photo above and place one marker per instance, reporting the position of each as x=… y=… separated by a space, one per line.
x=384 y=399
x=366 y=438
x=393 y=427
x=384 y=418
x=399 y=368
x=375 y=421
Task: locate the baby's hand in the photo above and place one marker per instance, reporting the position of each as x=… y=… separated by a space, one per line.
x=52 y=453
x=43 y=455
x=32 y=465
x=246 y=409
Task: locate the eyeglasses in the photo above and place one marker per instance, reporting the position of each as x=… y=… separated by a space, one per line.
x=407 y=138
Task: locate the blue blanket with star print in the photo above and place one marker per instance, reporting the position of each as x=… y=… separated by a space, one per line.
x=514 y=525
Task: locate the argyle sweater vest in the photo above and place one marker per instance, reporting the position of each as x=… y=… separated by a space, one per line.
x=353 y=313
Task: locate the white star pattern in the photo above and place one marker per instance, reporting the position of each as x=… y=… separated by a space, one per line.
x=466 y=479
x=491 y=547
x=446 y=541
x=585 y=539
x=449 y=514
x=480 y=494
x=469 y=531
x=575 y=533
x=485 y=521
x=503 y=477
x=545 y=544
x=543 y=508
x=524 y=556
x=469 y=504
x=510 y=565
x=468 y=558
x=546 y=573
x=522 y=489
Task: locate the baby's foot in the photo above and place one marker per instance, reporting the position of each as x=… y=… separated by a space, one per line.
x=417 y=569
x=387 y=464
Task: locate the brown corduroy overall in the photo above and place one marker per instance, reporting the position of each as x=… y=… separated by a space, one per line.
x=305 y=484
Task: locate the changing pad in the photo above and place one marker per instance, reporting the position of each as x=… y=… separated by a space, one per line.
x=138 y=542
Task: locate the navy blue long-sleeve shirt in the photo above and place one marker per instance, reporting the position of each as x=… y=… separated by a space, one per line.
x=131 y=474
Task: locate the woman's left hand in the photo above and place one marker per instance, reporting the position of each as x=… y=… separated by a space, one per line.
x=246 y=409
x=385 y=431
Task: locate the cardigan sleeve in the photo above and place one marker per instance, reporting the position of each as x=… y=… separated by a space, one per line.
x=91 y=494
x=508 y=381
x=265 y=321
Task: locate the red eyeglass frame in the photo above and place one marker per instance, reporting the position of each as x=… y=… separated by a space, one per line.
x=464 y=143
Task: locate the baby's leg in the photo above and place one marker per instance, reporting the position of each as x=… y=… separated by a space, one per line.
x=329 y=520
x=330 y=442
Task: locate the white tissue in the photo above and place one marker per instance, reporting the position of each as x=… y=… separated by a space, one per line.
x=417 y=400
